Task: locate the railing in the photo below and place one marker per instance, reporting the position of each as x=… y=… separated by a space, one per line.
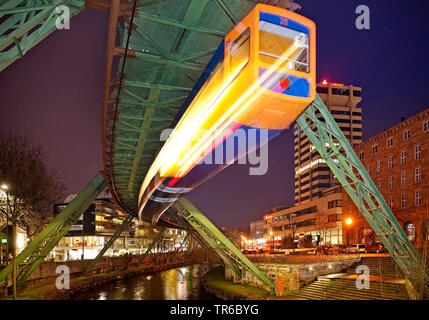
x=300 y=259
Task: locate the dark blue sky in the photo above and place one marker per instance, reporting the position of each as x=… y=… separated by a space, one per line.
x=55 y=92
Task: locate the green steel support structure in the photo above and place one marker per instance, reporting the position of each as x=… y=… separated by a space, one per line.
x=325 y=135
x=201 y=242
x=36 y=251
x=157 y=238
x=185 y=240
x=218 y=241
x=26 y=23
x=109 y=243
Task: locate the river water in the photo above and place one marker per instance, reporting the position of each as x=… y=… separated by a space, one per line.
x=174 y=284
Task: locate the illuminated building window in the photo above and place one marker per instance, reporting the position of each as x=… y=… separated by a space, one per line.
x=378 y=166
x=390 y=162
x=418 y=198
x=403 y=200
x=410 y=231
x=403 y=179
x=403 y=157
x=417 y=152
x=390 y=183
x=417 y=174
x=389 y=142
x=407 y=135
x=335 y=204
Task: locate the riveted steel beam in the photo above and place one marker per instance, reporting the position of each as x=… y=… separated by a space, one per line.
x=36 y=251
x=181 y=25
x=157 y=238
x=325 y=135
x=109 y=243
x=27 y=24
x=218 y=241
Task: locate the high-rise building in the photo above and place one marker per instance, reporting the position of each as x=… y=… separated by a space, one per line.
x=312 y=174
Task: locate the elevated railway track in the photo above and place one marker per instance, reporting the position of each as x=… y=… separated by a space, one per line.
x=157 y=51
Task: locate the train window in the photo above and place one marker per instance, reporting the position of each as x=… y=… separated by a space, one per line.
x=240 y=52
x=279 y=42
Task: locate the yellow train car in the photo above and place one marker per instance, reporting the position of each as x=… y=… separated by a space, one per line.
x=263 y=76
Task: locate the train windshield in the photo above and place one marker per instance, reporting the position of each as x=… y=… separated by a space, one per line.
x=279 y=42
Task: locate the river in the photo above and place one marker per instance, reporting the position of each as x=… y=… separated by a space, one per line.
x=174 y=284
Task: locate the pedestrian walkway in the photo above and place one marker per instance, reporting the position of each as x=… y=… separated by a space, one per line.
x=386 y=283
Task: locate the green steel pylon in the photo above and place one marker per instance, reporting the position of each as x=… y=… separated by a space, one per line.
x=26 y=23
x=325 y=135
x=157 y=238
x=36 y=251
x=109 y=243
x=230 y=254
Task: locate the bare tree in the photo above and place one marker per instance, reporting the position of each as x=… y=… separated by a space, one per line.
x=30 y=188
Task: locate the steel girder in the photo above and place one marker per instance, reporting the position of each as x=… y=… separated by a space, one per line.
x=325 y=135
x=26 y=23
x=169 y=46
x=157 y=238
x=229 y=253
x=36 y=251
x=109 y=243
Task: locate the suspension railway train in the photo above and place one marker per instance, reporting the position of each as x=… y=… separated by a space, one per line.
x=261 y=77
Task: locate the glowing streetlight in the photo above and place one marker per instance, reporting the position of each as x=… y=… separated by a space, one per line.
x=4 y=186
x=272 y=239
x=349 y=222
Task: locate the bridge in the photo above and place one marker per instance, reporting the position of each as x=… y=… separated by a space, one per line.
x=157 y=52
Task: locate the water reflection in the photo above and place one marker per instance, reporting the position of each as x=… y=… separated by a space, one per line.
x=175 y=284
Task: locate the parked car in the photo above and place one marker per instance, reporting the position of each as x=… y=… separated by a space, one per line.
x=356 y=248
x=375 y=248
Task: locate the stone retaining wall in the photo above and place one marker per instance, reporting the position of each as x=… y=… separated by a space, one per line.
x=45 y=273
x=290 y=277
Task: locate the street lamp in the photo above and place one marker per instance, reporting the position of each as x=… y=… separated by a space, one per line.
x=272 y=239
x=349 y=222
x=243 y=239
x=4 y=186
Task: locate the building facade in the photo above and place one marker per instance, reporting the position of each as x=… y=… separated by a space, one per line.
x=320 y=218
x=94 y=228
x=312 y=174
x=397 y=160
x=258 y=231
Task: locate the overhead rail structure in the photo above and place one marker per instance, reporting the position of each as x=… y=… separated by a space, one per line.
x=156 y=53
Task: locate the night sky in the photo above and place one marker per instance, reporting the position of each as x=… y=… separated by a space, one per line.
x=55 y=95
